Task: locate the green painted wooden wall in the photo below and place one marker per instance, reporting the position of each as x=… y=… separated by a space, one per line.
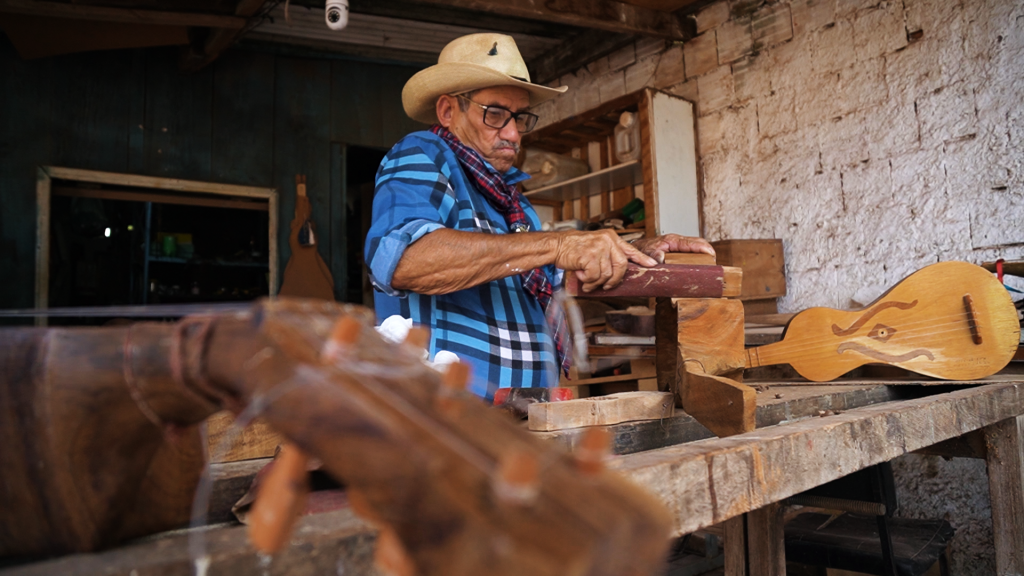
x=252 y=118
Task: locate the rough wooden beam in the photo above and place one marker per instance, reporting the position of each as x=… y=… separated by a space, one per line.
x=219 y=39
x=311 y=48
x=600 y=14
x=342 y=543
x=576 y=52
x=601 y=410
x=751 y=470
x=125 y=15
x=453 y=16
x=797 y=404
x=1005 y=443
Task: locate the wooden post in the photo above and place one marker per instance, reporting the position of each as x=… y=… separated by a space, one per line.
x=735 y=546
x=766 y=543
x=1005 y=443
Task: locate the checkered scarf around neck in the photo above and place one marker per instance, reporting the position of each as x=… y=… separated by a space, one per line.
x=507 y=200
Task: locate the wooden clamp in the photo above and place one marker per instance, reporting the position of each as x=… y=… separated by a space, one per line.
x=700 y=358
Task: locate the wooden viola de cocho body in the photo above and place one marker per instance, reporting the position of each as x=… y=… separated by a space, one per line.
x=951 y=320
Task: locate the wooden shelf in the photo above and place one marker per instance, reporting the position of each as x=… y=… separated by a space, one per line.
x=606 y=180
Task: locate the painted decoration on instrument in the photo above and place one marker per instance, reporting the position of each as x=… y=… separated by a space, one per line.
x=951 y=320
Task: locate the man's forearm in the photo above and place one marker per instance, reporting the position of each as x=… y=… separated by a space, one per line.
x=447 y=260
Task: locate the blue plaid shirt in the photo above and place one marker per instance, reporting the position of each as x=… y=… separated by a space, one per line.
x=497 y=327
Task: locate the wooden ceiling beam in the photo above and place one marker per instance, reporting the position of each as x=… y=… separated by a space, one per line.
x=608 y=15
x=123 y=15
x=452 y=16
x=218 y=40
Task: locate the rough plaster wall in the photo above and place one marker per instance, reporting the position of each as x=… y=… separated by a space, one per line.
x=874 y=138
x=957 y=491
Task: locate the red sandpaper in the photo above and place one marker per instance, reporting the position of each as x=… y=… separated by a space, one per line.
x=663 y=280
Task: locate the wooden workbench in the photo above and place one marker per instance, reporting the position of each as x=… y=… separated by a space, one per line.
x=807 y=436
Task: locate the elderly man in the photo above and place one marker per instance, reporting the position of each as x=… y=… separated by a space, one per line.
x=456 y=247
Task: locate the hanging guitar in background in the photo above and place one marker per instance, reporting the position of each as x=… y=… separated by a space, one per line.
x=951 y=320
x=306 y=275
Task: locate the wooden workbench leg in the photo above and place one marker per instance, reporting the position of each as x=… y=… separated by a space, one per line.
x=1005 y=444
x=735 y=546
x=766 y=542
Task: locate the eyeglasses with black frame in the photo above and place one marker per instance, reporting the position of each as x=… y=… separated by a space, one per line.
x=498 y=117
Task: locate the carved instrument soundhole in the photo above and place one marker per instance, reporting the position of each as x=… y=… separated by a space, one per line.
x=881 y=333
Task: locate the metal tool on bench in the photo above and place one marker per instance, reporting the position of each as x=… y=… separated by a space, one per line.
x=516 y=401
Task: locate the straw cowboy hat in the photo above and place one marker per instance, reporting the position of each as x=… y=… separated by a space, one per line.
x=471 y=63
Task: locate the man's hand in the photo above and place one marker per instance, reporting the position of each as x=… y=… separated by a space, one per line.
x=598 y=258
x=657 y=247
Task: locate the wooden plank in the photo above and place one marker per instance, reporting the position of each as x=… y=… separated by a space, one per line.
x=757 y=468
x=762 y=263
x=450 y=16
x=970 y=445
x=100 y=177
x=601 y=410
x=711 y=334
x=142 y=196
x=670 y=129
x=339 y=218
x=25 y=110
x=396 y=124
x=243 y=133
x=357 y=116
x=666 y=280
x=735 y=546
x=231 y=480
x=647 y=161
x=94 y=122
x=590 y=184
x=1011 y=267
x=302 y=144
x=600 y=14
x=766 y=547
x=275 y=258
x=538 y=137
x=125 y=15
x=690 y=258
x=343 y=544
x=635 y=322
x=42 y=297
x=723 y=405
x=794 y=404
x=224 y=444
x=179 y=120
x=1005 y=445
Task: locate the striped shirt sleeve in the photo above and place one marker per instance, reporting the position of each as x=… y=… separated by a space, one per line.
x=412 y=198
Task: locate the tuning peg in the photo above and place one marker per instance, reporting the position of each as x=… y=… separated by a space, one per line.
x=453 y=380
x=280 y=501
x=418 y=337
x=593 y=450
x=518 y=477
x=390 y=556
x=344 y=333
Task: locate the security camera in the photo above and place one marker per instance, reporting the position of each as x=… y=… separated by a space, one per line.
x=336 y=14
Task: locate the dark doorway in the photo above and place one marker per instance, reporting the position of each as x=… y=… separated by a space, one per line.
x=360 y=172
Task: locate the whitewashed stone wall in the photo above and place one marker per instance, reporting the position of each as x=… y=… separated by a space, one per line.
x=874 y=138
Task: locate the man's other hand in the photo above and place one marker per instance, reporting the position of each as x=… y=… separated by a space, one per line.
x=657 y=247
x=599 y=258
